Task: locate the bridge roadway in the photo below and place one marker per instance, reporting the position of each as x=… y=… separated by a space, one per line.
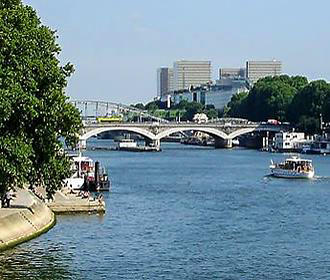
x=223 y=131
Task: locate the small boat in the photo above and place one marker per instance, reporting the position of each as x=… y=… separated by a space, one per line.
x=127 y=145
x=293 y=168
x=130 y=145
x=87 y=175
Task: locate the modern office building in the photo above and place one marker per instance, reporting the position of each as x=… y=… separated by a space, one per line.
x=217 y=95
x=231 y=73
x=170 y=80
x=256 y=70
x=164 y=81
x=190 y=73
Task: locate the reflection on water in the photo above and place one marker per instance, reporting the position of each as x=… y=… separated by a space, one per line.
x=189 y=213
x=26 y=262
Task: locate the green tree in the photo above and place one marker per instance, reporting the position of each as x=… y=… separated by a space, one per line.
x=192 y=109
x=183 y=105
x=269 y=98
x=138 y=106
x=34 y=112
x=236 y=106
x=212 y=113
x=309 y=103
x=151 y=106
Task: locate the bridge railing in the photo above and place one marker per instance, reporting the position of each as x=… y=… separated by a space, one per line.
x=91 y=109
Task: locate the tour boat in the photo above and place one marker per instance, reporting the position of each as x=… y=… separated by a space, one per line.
x=87 y=175
x=293 y=168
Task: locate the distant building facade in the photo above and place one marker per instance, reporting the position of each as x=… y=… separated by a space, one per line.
x=256 y=70
x=217 y=95
x=170 y=80
x=162 y=81
x=231 y=73
x=290 y=141
x=190 y=73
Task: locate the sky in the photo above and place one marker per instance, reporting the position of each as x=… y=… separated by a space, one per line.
x=117 y=46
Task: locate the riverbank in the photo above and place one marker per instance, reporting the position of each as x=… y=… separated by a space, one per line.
x=66 y=203
x=27 y=218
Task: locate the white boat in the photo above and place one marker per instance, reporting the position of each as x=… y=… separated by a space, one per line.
x=87 y=174
x=81 y=167
x=127 y=144
x=293 y=168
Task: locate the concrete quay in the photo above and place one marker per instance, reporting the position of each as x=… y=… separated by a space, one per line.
x=27 y=218
x=66 y=203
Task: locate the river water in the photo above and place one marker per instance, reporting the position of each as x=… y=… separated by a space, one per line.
x=189 y=213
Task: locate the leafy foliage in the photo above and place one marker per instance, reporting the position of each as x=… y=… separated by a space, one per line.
x=34 y=113
x=286 y=99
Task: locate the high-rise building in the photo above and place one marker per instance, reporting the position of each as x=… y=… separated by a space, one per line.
x=190 y=73
x=231 y=73
x=256 y=70
x=164 y=81
x=170 y=80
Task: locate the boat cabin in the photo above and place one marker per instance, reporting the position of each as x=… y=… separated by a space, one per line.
x=297 y=164
x=82 y=166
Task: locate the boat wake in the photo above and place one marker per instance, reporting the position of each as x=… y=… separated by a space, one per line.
x=322 y=178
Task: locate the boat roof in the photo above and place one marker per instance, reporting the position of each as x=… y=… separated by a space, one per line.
x=298 y=160
x=81 y=158
x=127 y=140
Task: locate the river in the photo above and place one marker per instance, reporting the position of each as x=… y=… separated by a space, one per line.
x=189 y=213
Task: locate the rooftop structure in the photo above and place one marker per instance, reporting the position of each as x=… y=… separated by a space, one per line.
x=231 y=73
x=256 y=70
x=190 y=73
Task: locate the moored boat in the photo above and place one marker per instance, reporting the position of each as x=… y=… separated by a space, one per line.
x=293 y=168
x=130 y=145
x=87 y=175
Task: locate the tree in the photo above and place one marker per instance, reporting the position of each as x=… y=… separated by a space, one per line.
x=236 y=106
x=309 y=103
x=183 y=104
x=138 y=106
x=151 y=106
x=192 y=109
x=212 y=113
x=269 y=98
x=34 y=112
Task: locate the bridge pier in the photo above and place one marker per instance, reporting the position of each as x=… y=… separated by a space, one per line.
x=153 y=143
x=220 y=143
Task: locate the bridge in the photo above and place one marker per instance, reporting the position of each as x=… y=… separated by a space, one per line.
x=153 y=129
x=223 y=131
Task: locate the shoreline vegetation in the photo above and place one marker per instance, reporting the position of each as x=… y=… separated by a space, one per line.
x=35 y=118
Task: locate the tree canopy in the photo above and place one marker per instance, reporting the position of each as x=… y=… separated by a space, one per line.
x=34 y=112
x=285 y=98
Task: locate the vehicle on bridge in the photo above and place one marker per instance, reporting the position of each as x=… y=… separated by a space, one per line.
x=111 y=119
x=273 y=121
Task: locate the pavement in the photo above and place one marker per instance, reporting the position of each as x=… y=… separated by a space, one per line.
x=26 y=218
x=64 y=202
x=23 y=200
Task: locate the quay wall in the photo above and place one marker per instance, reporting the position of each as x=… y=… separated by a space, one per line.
x=25 y=223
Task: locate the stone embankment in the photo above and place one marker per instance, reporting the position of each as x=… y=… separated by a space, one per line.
x=66 y=203
x=27 y=218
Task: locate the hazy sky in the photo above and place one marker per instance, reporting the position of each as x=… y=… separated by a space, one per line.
x=116 y=46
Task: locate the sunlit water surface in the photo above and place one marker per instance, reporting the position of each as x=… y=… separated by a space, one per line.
x=189 y=213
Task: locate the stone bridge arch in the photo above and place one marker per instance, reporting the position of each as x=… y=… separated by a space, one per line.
x=141 y=131
x=241 y=132
x=216 y=133
x=255 y=129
